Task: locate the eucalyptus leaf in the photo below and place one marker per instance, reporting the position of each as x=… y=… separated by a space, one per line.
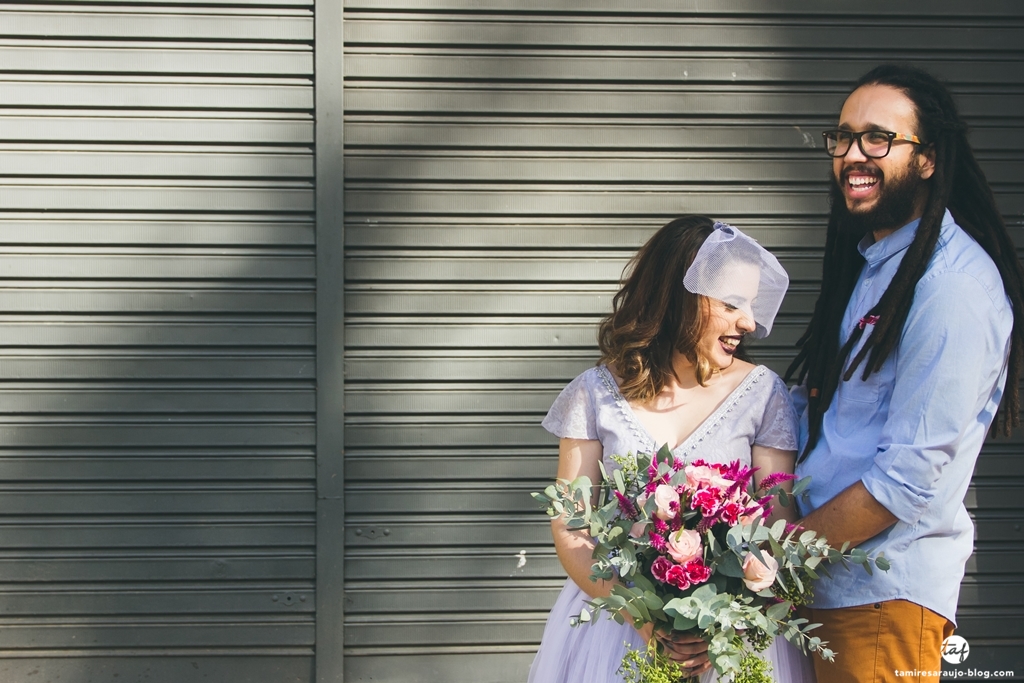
x=882 y=563
x=779 y=611
x=730 y=565
x=682 y=623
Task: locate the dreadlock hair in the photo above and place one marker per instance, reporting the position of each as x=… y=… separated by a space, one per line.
x=653 y=315
x=958 y=184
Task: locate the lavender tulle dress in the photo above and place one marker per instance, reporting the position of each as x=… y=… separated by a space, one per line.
x=758 y=411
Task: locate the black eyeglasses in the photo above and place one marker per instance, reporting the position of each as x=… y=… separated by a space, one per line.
x=875 y=144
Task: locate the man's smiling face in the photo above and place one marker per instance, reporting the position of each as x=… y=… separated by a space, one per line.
x=882 y=194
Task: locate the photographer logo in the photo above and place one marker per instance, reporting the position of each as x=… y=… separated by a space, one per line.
x=955 y=650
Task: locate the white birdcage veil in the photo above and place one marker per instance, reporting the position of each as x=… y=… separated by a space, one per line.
x=734 y=268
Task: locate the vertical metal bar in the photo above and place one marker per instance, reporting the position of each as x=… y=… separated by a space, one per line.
x=330 y=340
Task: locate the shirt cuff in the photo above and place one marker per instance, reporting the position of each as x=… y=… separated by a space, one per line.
x=905 y=501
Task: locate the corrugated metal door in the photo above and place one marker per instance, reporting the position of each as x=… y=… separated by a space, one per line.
x=503 y=159
x=156 y=341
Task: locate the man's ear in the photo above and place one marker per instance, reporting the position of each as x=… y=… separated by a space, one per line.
x=926 y=162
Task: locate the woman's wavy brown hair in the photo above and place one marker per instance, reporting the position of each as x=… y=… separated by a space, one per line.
x=653 y=315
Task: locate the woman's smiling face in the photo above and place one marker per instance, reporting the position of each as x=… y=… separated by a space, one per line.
x=729 y=318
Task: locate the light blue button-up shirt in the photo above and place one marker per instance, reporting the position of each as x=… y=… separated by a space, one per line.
x=912 y=431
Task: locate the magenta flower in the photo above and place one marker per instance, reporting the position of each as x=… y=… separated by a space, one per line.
x=697 y=572
x=707 y=500
x=773 y=480
x=657 y=540
x=626 y=506
x=660 y=567
x=676 y=575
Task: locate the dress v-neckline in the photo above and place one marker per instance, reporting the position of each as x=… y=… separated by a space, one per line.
x=705 y=425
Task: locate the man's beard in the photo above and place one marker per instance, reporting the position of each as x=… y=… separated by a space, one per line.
x=895 y=205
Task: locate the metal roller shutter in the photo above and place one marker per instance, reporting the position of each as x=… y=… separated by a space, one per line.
x=503 y=159
x=157 y=341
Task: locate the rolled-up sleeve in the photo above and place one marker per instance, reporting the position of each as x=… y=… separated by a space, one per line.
x=954 y=343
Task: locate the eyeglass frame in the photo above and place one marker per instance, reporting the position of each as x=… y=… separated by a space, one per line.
x=858 y=138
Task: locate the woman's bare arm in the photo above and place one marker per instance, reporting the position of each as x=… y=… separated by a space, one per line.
x=770 y=461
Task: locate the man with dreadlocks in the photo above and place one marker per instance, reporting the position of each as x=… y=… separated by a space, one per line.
x=901 y=371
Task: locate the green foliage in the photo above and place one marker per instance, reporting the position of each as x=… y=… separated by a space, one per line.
x=753 y=669
x=650 y=666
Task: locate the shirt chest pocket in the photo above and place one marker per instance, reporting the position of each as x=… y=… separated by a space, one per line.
x=858 y=402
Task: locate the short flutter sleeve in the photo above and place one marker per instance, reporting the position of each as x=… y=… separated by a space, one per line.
x=572 y=415
x=778 y=427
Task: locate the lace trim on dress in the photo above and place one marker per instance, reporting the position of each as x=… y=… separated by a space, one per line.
x=703 y=430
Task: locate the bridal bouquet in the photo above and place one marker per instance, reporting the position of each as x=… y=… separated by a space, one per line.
x=691 y=554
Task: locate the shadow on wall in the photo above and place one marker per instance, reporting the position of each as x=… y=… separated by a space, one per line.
x=156 y=347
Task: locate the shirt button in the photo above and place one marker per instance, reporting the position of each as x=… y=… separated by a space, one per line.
x=867 y=283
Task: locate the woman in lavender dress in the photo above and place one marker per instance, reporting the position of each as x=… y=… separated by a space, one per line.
x=670 y=373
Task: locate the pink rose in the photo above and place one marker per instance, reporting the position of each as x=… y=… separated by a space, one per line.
x=756 y=575
x=684 y=545
x=660 y=567
x=698 y=476
x=639 y=529
x=665 y=496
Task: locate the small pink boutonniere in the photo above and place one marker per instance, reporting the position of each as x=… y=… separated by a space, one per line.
x=867 y=320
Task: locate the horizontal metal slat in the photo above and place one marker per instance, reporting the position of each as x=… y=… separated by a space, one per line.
x=105 y=125
x=398 y=531
x=136 y=632
x=854 y=32
x=93 y=56
x=141 y=331
x=176 y=565
x=500 y=629
x=245 y=497
x=84 y=297
x=168 y=432
x=633 y=134
x=640 y=201
x=426 y=665
x=84 y=161
x=165 y=264
x=97 y=21
x=113 y=196
x=636 y=66
x=696 y=101
x=155 y=463
x=156 y=93
x=134 y=400
x=152 y=231
x=161 y=664
x=640 y=8
x=800 y=166
x=205 y=532
x=162 y=367
x=371 y=600
x=368 y=466
x=142 y=601
x=454 y=564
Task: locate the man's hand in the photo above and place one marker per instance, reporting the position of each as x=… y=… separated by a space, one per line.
x=854 y=515
x=688 y=651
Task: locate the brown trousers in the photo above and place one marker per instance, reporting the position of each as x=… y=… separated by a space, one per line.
x=881 y=642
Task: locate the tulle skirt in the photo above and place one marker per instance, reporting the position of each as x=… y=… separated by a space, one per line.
x=593 y=652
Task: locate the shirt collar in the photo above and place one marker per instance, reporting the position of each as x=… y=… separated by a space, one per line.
x=876 y=252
